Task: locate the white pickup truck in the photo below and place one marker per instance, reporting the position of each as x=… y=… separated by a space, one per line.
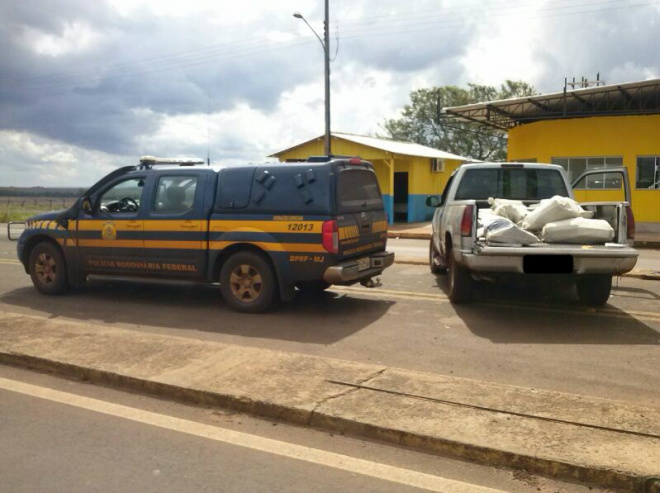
x=455 y=247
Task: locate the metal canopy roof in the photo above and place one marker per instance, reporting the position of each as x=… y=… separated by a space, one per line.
x=634 y=98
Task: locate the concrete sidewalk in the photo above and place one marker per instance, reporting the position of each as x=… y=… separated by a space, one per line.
x=595 y=441
x=422 y=231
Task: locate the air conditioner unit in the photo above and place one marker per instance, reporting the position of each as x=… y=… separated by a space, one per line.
x=437 y=165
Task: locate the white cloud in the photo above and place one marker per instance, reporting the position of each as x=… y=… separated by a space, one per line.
x=153 y=68
x=505 y=49
x=34 y=161
x=76 y=37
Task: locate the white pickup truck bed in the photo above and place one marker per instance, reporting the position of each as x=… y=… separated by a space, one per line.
x=466 y=257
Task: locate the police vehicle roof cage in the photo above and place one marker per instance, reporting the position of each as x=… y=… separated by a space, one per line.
x=147 y=162
x=320 y=159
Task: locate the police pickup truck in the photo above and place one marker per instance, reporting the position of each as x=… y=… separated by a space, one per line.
x=456 y=248
x=259 y=230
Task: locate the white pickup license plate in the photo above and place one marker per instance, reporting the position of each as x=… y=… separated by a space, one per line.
x=364 y=263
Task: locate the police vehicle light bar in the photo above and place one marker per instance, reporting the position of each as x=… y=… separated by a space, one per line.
x=149 y=161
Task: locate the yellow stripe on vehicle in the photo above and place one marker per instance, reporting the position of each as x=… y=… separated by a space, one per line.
x=181 y=245
x=272 y=247
x=267 y=226
x=111 y=243
x=175 y=225
x=120 y=225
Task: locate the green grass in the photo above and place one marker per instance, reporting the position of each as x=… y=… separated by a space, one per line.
x=20 y=209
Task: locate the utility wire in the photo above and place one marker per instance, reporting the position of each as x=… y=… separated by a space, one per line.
x=474 y=19
x=227 y=51
x=449 y=12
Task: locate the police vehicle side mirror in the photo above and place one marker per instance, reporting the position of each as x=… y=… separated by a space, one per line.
x=432 y=201
x=86 y=205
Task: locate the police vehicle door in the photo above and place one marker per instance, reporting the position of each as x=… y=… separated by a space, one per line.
x=176 y=225
x=110 y=237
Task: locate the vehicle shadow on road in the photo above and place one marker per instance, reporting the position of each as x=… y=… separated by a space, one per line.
x=324 y=319
x=538 y=313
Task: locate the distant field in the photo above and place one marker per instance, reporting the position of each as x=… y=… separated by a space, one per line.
x=20 y=208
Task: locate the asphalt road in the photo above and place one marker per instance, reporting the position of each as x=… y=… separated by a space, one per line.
x=534 y=336
x=65 y=436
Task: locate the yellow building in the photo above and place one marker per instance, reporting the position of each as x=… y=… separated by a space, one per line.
x=584 y=129
x=407 y=172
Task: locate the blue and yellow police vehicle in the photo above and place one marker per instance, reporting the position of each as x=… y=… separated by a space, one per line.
x=261 y=231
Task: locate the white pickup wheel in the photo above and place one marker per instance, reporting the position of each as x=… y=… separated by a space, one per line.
x=459 y=281
x=312 y=288
x=435 y=260
x=594 y=289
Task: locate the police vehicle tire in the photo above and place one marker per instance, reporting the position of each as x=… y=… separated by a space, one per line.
x=247 y=282
x=435 y=260
x=594 y=290
x=48 y=269
x=459 y=281
x=312 y=288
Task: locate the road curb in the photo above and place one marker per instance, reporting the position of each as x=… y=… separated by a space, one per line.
x=609 y=478
x=408 y=236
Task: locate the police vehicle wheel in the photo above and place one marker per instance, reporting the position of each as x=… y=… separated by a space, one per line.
x=48 y=270
x=247 y=283
x=311 y=288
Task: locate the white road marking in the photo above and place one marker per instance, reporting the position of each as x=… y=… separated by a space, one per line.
x=315 y=456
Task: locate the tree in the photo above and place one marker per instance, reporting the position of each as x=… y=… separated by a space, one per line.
x=422 y=122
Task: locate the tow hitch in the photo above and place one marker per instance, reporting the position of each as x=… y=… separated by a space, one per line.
x=370 y=283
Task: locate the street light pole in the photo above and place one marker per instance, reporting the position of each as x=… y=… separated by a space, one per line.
x=325 y=43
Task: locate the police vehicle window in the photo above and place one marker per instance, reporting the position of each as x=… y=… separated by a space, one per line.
x=123 y=197
x=176 y=193
x=358 y=190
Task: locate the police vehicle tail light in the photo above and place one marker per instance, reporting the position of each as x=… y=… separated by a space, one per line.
x=330 y=236
x=467 y=220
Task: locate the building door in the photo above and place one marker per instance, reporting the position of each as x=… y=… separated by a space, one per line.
x=401 y=197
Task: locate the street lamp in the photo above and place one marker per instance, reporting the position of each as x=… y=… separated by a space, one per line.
x=326 y=52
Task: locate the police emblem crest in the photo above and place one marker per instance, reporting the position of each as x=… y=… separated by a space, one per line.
x=109 y=231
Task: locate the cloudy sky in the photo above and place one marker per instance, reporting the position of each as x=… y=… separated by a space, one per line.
x=89 y=85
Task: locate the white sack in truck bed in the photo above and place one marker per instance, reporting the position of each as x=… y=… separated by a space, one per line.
x=551 y=210
x=503 y=231
x=578 y=230
x=511 y=209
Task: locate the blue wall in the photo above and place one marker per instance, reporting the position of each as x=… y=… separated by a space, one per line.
x=388 y=202
x=417 y=210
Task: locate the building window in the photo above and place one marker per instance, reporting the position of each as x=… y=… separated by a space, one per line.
x=575 y=166
x=648 y=172
x=437 y=165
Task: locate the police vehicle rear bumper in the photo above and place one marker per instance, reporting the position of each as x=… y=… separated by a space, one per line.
x=349 y=272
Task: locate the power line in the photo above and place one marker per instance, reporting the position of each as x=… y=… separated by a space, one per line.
x=250 y=47
x=469 y=10
x=460 y=23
